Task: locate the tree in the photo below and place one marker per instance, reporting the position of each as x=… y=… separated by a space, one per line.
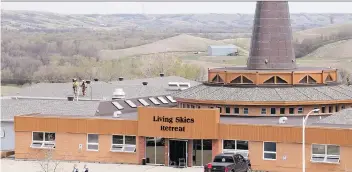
x=345 y=76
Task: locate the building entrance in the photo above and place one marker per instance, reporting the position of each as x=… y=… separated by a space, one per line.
x=178 y=152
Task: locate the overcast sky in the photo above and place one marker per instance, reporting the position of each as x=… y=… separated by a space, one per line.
x=170 y=7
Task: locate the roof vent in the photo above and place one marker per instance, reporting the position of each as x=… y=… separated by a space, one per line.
x=173 y=85
x=118 y=94
x=282 y=120
x=145 y=83
x=121 y=79
x=184 y=85
x=117 y=114
x=88 y=81
x=96 y=79
x=162 y=74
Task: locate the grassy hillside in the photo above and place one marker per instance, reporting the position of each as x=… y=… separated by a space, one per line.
x=180 y=23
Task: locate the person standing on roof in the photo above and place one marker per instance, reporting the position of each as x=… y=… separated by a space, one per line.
x=75 y=86
x=75 y=169
x=84 y=86
x=85 y=168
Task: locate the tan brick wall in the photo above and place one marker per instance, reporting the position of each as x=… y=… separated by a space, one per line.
x=67 y=148
x=216 y=148
x=166 y=155
x=141 y=151
x=190 y=153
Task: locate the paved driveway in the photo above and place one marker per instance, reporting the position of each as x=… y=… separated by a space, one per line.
x=11 y=165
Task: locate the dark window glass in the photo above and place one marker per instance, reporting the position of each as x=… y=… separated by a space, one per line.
x=223 y=159
x=273 y=111
x=291 y=110
x=270 y=146
x=227 y=109
x=282 y=111
x=323 y=109
x=245 y=111
x=330 y=109
x=236 y=110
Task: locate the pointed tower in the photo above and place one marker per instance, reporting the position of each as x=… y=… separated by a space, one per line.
x=271 y=44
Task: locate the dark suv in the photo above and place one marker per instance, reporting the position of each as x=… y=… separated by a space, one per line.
x=228 y=163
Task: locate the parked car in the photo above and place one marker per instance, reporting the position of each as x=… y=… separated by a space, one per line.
x=227 y=162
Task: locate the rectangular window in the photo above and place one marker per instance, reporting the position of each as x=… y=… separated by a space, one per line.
x=325 y=153
x=291 y=111
x=227 y=109
x=245 y=111
x=269 y=150
x=188 y=106
x=336 y=108
x=43 y=140
x=330 y=109
x=323 y=109
x=282 y=111
x=192 y=106
x=220 y=109
x=198 y=107
x=235 y=146
x=300 y=110
x=121 y=143
x=263 y=111
x=236 y=110
x=273 y=111
x=316 y=111
x=342 y=106
x=93 y=142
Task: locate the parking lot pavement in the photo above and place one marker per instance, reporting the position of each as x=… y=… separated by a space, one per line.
x=12 y=165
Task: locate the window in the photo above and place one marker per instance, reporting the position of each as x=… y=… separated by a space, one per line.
x=263 y=112
x=117 y=105
x=220 y=109
x=269 y=152
x=316 y=111
x=300 y=110
x=163 y=100
x=93 y=142
x=282 y=111
x=130 y=103
x=291 y=111
x=342 y=106
x=325 y=153
x=245 y=111
x=323 y=109
x=183 y=105
x=198 y=107
x=236 y=110
x=43 y=140
x=330 y=109
x=192 y=106
x=227 y=110
x=144 y=103
x=337 y=108
x=188 y=106
x=122 y=143
x=171 y=99
x=235 y=146
x=273 y=111
x=156 y=102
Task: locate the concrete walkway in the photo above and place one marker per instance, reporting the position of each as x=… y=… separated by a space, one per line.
x=11 y=165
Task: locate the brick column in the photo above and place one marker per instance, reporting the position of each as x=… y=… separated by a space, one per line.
x=190 y=153
x=216 y=148
x=141 y=149
x=166 y=159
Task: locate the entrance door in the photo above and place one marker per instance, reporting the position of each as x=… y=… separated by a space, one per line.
x=177 y=152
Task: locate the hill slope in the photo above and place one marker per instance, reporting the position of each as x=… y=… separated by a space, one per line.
x=181 y=23
x=180 y=43
x=333 y=51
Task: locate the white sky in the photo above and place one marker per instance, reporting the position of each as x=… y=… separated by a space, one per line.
x=170 y=7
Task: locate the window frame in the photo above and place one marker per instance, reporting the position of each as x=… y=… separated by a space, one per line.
x=124 y=145
x=261 y=111
x=272 y=111
x=94 y=150
x=270 y=152
x=300 y=110
x=325 y=155
x=282 y=108
x=244 y=111
x=227 y=110
x=289 y=110
x=246 y=152
x=234 y=110
x=43 y=142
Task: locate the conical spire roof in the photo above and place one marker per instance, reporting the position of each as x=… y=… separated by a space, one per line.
x=271 y=44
